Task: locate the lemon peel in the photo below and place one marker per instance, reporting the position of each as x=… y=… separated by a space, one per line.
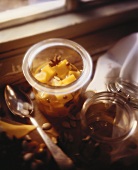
x=17 y=131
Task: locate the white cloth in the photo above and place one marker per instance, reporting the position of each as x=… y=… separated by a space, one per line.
x=120 y=61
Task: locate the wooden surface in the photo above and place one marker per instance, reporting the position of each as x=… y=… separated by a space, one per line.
x=85 y=153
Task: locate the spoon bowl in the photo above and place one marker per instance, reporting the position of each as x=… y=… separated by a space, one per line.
x=18 y=102
x=20 y=105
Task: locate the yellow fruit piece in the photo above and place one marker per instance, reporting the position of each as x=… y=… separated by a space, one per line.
x=57 y=104
x=41 y=77
x=16 y=130
x=50 y=72
x=62 y=69
x=42 y=95
x=55 y=82
x=75 y=73
x=69 y=79
x=64 y=98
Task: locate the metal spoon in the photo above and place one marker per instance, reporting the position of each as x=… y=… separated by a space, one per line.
x=17 y=102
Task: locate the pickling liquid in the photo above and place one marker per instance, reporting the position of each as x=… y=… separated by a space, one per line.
x=105 y=120
x=108 y=124
x=57 y=73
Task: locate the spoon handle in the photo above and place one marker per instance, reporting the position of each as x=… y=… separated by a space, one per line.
x=62 y=160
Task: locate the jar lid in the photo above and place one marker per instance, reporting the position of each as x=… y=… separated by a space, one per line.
x=127 y=89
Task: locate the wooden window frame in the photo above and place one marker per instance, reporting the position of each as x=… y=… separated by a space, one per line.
x=67 y=25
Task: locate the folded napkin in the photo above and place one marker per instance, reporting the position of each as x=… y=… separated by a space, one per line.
x=121 y=61
x=17 y=131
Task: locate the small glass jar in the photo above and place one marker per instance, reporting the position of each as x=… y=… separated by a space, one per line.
x=110 y=123
x=57 y=100
x=108 y=118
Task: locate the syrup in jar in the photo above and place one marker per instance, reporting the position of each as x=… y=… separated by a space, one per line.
x=107 y=117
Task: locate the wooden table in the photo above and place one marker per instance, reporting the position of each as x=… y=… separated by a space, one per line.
x=85 y=153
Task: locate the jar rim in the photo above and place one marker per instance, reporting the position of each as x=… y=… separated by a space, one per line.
x=110 y=96
x=76 y=85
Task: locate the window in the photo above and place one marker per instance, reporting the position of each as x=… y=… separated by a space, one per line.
x=65 y=18
x=21 y=11
x=17 y=12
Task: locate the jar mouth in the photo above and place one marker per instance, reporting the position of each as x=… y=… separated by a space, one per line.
x=107 y=117
x=87 y=65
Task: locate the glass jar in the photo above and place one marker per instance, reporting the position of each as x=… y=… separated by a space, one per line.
x=107 y=117
x=56 y=100
x=110 y=123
